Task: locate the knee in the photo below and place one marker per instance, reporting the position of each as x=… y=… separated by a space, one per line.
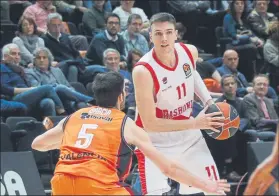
x=47 y=105
x=46 y=88
x=73 y=69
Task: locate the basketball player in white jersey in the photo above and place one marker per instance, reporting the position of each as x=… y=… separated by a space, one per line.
x=165 y=82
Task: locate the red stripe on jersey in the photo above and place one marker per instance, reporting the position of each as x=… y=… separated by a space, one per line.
x=188 y=52
x=141 y=168
x=164 y=66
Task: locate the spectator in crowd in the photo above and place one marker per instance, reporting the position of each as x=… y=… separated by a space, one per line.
x=94 y=19
x=260 y=110
x=90 y=4
x=236 y=27
x=271 y=51
x=62 y=49
x=132 y=37
x=188 y=6
x=71 y=10
x=127 y=8
x=43 y=73
x=226 y=161
x=230 y=64
x=274 y=7
x=27 y=40
x=181 y=30
x=5 y=12
x=39 y=13
x=133 y=57
x=107 y=39
x=14 y=84
x=259 y=18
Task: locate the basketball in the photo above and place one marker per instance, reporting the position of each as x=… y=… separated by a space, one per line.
x=231 y=122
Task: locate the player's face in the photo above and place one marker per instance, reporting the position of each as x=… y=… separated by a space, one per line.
x=163 y=35
x=229 y=86
x=261 y=86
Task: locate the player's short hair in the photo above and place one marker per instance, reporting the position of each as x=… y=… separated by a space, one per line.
x=163 y=17
x=107 y=87
x=225 y=77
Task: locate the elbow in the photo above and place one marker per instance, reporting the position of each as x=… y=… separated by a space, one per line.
x=37 y=145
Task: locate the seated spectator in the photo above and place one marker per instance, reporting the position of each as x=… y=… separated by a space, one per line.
x=107 y=39
x=62 y=49
x=133 y=57
x=27 y=40
x=259 y=18
x=39 y=13
x=271 y=51
x=132 y=37
x=94 y=19
x=15 y=85
x=90 y=4
x=71 y=10
x=44 y=74
x=260 y=110
x=127 y=8
x=230 y=64
x=236 y=27
x=227 y=160
x=181 y=30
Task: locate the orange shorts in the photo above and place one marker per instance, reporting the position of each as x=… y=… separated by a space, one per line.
x=63 y=184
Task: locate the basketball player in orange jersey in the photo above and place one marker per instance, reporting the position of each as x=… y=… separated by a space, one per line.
x=164 y=107
x=264 y=175
x=96 y=146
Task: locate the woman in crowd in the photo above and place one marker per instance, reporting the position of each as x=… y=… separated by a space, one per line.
x=27 y=40
x=134 y=56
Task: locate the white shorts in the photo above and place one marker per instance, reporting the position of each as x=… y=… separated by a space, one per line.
x=197 y=159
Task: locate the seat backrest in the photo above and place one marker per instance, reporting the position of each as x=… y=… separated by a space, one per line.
x=7 y=33
x=219 y=33
x=13 y=121
x=6 y=143
x=33 y=130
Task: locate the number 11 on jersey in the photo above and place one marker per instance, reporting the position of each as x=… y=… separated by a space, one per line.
x=178 y=88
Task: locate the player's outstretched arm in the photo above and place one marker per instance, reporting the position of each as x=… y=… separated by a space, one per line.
x=51 y=139
x=261 y=179
x=147 y=110
x=137 y=136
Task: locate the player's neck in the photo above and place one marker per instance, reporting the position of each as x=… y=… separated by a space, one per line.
x=167 y=59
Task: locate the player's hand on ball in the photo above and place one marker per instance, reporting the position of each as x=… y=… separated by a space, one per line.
x=209 y=121
x=218 y=187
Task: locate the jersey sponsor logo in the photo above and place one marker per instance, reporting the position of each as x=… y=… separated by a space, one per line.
x=187 y=70
x=165 y=80
x=81 y=155
x=169 y=114
x=85 y=116
x=100 y=111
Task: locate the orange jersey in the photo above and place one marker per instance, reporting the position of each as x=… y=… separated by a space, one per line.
x=93 y=146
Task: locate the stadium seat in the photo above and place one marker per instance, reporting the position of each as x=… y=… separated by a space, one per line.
x=13 y=121
x=6 y=143
x=221 y=40
x=7 y=33
x=43 y=159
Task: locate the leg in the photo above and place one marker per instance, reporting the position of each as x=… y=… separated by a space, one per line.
x=33 y=97
x=251 y=135
x=267 y=135
x=48 y=107
x=72 y=75
x=12 y=108
x=66 y=93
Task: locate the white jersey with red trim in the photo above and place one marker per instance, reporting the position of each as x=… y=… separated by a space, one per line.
x=174 y=95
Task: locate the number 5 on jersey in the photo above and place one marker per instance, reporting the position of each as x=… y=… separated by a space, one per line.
x=84 y=139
